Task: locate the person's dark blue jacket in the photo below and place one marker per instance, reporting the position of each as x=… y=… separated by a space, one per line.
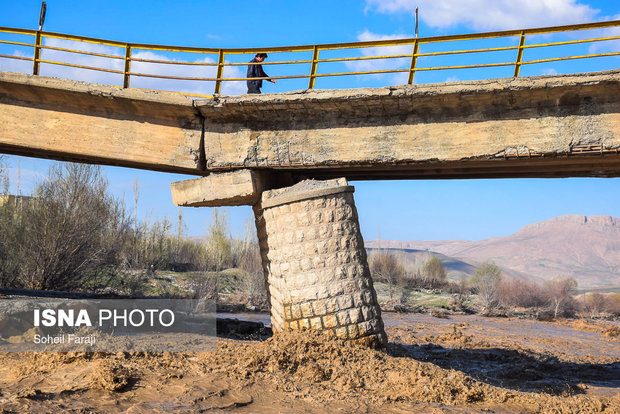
x=256 y=71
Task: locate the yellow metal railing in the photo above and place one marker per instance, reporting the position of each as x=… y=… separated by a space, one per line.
x=216 y=58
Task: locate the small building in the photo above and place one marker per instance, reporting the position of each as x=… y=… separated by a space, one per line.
x=17 y=200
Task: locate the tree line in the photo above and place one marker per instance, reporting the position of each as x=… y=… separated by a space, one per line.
x=494 y=292
x=72 y=234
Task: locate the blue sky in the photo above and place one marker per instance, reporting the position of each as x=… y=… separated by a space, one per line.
x=403 y=210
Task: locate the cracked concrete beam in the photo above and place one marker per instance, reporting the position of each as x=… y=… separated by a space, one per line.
x=427 y=126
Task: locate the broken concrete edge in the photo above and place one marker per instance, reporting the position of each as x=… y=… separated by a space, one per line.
x=212 y=107
x=234 y=188
x=247 y=187
x=315 y=193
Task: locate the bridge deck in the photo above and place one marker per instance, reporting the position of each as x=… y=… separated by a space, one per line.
x=549 y=126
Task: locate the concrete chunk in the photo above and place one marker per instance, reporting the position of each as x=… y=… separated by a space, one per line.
x=237 y=188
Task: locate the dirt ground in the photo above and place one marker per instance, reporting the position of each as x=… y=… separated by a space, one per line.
x=461 y=364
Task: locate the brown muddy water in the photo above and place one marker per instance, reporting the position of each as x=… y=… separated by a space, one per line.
x=454 y=365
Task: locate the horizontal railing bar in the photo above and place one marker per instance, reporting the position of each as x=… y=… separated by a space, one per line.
x=408 y=41
x=570 y=42
x=570 y=58
x=183 y=49
x=62 y=49
x=369 y=72
x=276 y=49
x=266 y=78
x=17 y=57
x=416 y=69
x=367 y=44
x=149 y=75
x=572 y=27
x=517 y=32
x=14 y=30
x=331 y=46
x=83 y=39
x=128 y=47
x=79 y=66
x=319 y=60
x=457 y=52
x=280 y=62
x=483 y=65
x=17 y=43
x=173 y=62
x=364 y=58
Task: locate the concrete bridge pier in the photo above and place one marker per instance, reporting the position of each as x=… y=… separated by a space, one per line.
x=312 y=250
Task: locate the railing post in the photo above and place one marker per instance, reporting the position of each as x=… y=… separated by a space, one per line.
x=37 y=53
x=127 y=66
x=220 y=71
x=315 y=62
x=414 y=59
x=519 y=55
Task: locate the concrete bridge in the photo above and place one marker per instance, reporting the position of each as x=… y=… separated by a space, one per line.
x=258 y=150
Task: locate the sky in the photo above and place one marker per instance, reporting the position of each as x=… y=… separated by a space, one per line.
x=399 y=210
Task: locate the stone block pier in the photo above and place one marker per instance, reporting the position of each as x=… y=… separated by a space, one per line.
x=315 y=262
x=312 y=252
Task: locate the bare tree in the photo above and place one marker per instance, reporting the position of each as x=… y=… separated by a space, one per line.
x=522 y=293
x=136 y=198
x=4 y=177
x=385 y=267
x=218 y=241
x=613 y=303
x=486 y=281
x=433 y=272
x=10 y=229
x=560 y=293
x=204 y=286
x=70 y=231
x=253 y=282
x=595 y=303
x=180 y=224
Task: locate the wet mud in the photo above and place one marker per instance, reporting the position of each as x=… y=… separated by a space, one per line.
x=455 y=365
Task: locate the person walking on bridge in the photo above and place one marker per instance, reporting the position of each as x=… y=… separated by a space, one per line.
x=256 y=71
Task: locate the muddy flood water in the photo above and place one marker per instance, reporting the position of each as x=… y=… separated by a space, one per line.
x=459 y=364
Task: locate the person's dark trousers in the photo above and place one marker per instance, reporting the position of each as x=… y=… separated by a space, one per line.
x=253 y=88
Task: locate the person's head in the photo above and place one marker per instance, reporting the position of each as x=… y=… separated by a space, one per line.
x=260 y=57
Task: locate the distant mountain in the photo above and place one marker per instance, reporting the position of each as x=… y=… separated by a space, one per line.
x=586 y=248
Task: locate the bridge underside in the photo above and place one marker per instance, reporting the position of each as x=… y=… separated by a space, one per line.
x=551 y=126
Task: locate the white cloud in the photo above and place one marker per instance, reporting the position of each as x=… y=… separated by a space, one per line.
x=86 y=75
x=452 y=79
x=490 y=14
x=608 y=46
x=28 y=180
x=382 y=64
x=16 y=65
x=549 y=71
